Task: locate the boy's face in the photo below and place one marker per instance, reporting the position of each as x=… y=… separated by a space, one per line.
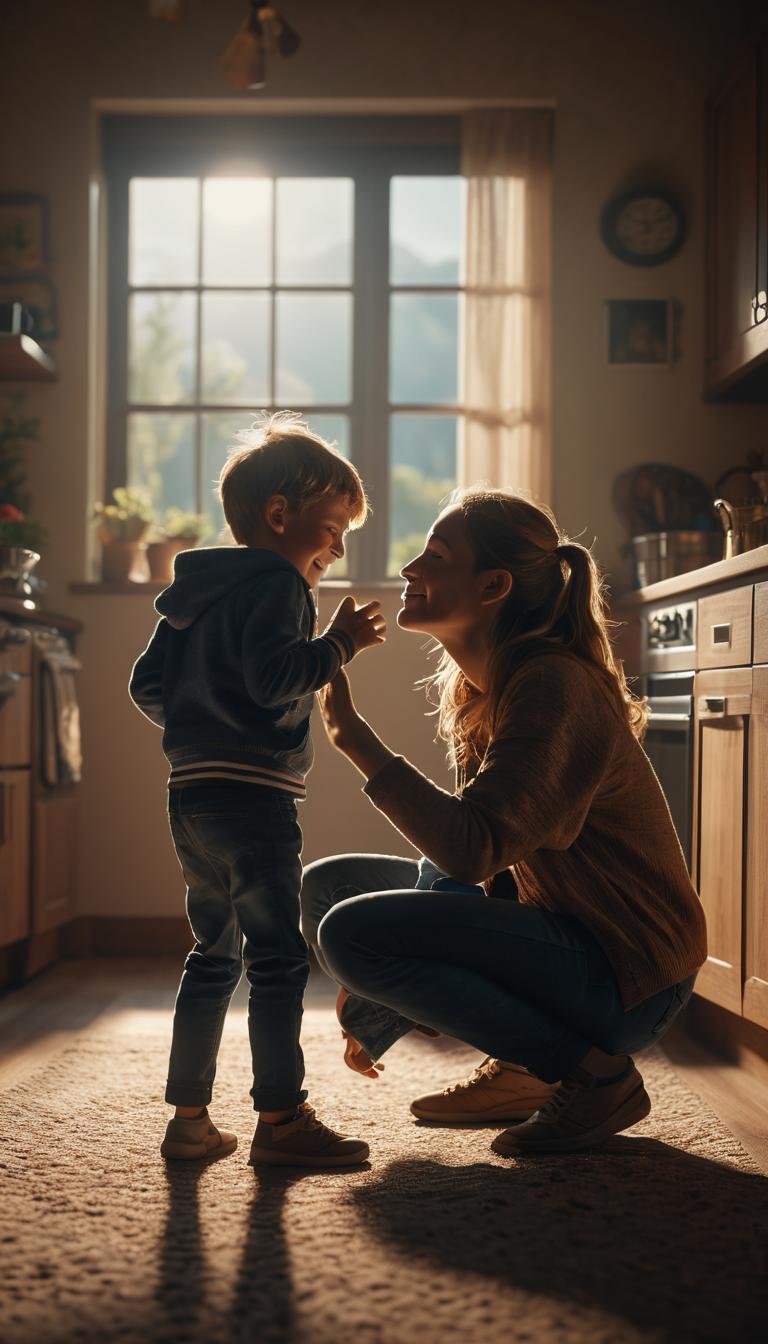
x=312 y=538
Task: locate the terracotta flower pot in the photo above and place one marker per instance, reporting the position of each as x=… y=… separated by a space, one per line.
x=160 y=556
x=121 y=561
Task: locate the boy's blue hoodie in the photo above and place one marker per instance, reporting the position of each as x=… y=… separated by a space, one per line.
x=230 y=671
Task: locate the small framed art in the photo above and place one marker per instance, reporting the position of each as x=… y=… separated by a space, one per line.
x=640 y=332
x=23 y=233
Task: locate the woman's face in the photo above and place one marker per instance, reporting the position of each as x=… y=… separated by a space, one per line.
x=444 y=594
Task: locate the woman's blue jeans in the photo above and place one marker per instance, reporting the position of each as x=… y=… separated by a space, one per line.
x=517 y=982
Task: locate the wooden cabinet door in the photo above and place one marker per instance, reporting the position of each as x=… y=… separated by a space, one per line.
x=54 y=869
x=14 y=855
x=15 y=699
x=738 y=305
x=756 y=899
x=722 y=707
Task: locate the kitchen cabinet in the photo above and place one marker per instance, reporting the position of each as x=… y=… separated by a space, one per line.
x=755 y=997
x=726 y=654
x=54 y=874
x=737 y=209
x=722 y=708
x=761 y=623
x=14 y=855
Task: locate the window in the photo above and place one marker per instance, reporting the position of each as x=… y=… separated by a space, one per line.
x=314 y=266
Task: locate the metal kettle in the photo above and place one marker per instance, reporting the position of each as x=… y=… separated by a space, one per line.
x=745 y=526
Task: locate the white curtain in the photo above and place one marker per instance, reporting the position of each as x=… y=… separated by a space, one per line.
x=507 y=160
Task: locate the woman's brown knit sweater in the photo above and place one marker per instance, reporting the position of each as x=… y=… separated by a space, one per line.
x=567 y=799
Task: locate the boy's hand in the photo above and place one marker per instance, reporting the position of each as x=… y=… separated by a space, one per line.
x=365 y=625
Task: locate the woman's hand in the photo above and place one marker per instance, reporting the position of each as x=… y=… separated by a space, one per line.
x=341 y=719
x=339 y=715
x=348 y=730
x=356 y=1058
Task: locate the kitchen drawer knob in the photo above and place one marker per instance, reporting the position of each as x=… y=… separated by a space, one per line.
x=715 y=704
x=721 y=634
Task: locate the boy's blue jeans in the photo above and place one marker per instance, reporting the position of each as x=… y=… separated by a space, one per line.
x=519 y=983
x=239 y=848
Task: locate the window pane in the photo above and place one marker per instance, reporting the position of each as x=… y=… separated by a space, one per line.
x=426 y=224
x=314 y=231
x=161 y=458
x=161 y=348
x=314 y=348
x=218 y=440
x=334 y=428
x=162 y=233
x=423 y=348
x=237 y=231
x=422 y=472
x=235 y=347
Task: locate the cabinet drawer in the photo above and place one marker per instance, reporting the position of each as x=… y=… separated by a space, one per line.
x=761 y=623
x=724 y=636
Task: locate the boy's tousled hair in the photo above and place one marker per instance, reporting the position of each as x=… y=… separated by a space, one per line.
x=557 y=601
x=281 y=455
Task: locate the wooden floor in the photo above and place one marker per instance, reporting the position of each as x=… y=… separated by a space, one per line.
x=75 y=997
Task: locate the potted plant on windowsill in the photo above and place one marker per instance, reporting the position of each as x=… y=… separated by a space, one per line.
x=123 y=526
x=178 y=531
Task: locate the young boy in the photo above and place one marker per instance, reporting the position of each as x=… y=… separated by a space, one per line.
x=230 y=674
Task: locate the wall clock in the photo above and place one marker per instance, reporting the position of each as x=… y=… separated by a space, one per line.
x=643 y=228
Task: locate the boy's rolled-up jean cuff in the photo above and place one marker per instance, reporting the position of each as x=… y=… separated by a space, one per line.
x=374 y=1026
x=188 y=1094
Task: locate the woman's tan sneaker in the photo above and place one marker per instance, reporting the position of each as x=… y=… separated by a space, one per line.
x=304 y=1142
x=495 y=1091
x=192 y=1139
x=585 y=1112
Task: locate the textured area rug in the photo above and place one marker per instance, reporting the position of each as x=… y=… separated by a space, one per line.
x=659 y=1236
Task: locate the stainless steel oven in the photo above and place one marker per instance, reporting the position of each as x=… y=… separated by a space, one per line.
x=669 y=646
x=669 y=745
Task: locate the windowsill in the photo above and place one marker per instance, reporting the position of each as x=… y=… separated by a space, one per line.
x=145 y=587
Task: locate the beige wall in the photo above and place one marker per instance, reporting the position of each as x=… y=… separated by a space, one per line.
x=628 y=84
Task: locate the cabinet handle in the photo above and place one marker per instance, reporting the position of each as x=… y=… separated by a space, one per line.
x=760 y=306
x=721 y=634
x=715 y=703
x=3 y=836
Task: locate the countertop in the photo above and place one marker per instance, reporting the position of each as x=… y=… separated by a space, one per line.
x=16 y=608
x=751 y=567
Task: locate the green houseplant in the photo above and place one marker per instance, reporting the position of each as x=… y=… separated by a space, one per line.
x=122 y=527
x=177 y=531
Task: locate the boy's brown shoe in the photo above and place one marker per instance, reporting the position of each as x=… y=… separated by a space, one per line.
x=495 y=1091
x=304 y=1142
x=585 y=1111
x=193 y=1139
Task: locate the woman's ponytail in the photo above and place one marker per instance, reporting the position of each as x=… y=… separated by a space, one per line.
x=583 y=607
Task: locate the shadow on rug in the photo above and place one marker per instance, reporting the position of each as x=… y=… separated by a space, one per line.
x=658 y=1236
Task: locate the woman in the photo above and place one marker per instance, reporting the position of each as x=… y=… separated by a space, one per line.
x=594 y=946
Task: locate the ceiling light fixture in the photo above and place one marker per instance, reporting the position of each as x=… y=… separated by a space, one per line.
x=264 y=31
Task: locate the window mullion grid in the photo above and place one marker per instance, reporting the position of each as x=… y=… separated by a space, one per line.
x=273 y=300
x=370 y=401
x=198 y=437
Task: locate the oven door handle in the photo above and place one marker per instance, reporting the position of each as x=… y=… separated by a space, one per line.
x=669 y=718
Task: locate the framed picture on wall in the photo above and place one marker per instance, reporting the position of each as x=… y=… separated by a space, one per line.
x=38 y=296
x=640 y=332
x=23 y=233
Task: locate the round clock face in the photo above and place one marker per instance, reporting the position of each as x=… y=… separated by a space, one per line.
x=643 y=228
